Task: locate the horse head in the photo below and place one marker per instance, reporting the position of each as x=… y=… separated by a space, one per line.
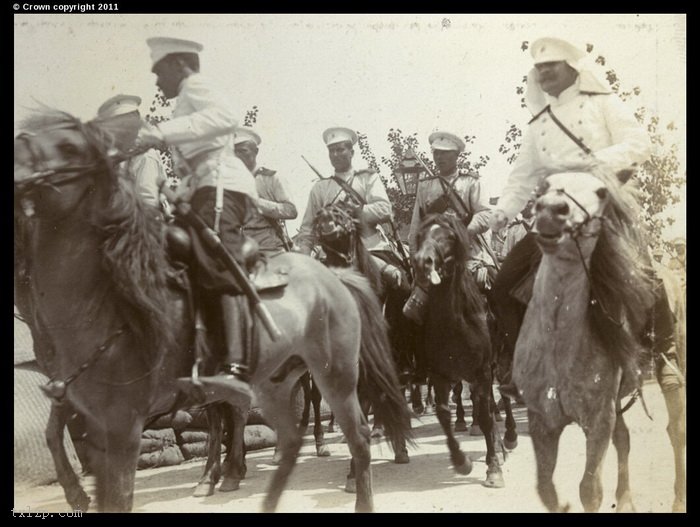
x=57 y=160
x=442 y=249
x=569 y=213
x=336 y=230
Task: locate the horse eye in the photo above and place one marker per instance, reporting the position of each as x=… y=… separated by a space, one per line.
x=602 y=192
x=69 y=149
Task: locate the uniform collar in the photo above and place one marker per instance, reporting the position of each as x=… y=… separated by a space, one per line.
x=451 y=177
x=565 y=96
x=345 y=175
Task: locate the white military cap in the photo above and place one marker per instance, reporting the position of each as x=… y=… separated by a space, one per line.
x=162 y=46
x=245 y=133
x=550 y=49
x=339 y=134
x=118 y=105
x=446 y=141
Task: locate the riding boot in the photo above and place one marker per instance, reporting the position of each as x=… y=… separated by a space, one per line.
x=234 y=373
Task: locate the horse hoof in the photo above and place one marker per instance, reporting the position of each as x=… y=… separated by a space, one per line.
x=510 y=445
x=331 y=428
x=418 y=410
x=322 y=451
x=377 y=432
x=203 y=489
x=276 y=458
x=343 y=439
x=229 y=485
x=494 y=479
x=79 y=501
x=475 y=431
x=461 y=426
x=464 y=468
x=401 y=458
x=350 y=485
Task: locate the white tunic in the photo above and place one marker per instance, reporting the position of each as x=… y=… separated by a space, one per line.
x=201 y=128
x=604 y=124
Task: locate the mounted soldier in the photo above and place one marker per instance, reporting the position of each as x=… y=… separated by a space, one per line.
x=218 y=187
x=274 y=206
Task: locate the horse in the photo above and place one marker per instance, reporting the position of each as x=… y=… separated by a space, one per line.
x=578 y=350
x=456 y=336
x=337 y=231
x=121 y=335
x=63 y=414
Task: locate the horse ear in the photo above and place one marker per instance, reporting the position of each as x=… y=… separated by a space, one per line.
x=602 y=192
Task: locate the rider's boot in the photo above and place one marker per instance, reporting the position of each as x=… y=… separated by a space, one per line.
x=234 y=374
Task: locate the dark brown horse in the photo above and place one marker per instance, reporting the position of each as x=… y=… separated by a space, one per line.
x=456 y=336
x=120 y=335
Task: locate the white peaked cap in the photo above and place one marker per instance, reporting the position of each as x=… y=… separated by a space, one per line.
x=551 y=49
x=245 y=133
x=339 y=134
x=162 y=46
x=118 y=105
x=446 y=141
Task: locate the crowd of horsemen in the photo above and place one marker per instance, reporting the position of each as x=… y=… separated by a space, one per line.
x=577 y=124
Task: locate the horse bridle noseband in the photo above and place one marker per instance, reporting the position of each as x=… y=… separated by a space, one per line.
x=349 y=224
x=43 y=176
x=576 y=232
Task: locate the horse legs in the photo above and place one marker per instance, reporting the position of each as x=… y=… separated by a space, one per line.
x=234 y=468
x=212 y=469
x=75 y=495
x=597 y=441
x=482 y=390
x=460 y=423
x=115 y=469
x=461 y=463
x=354 y=425
x=305 y=382
x=546 y=444
x=276 y=403
x=675 y=404
x=510 y=440
x=621 y=440
x=321 y=448
x=76 y=430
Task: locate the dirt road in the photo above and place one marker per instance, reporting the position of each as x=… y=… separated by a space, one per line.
x=427 y=484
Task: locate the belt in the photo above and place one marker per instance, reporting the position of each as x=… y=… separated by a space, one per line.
x=199 y=158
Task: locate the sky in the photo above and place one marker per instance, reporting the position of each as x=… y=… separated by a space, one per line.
x=371 y=73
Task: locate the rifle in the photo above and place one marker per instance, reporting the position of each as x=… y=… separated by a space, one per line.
x=212 y=240
x=459 y=206
x=397 y=241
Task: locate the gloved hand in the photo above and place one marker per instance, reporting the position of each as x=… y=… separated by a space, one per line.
x=149 y=136
x=498 y=220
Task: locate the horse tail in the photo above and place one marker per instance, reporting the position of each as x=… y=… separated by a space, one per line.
x=378 y=377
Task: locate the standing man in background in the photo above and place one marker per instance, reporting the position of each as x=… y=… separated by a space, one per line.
x=274 y=206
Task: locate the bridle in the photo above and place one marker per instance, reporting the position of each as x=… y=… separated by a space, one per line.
x=576 y=233
x=430 y=242
x=53 y=178
x=344 y=221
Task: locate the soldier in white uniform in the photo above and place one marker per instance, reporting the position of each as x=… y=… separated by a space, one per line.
x=578 y=123
x=120 y=115
x=366 y=183
x=274 y=206
x=433 y=196
x=219 y=187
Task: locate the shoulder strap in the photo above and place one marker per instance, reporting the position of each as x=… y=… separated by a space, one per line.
x=455 y=199
x=564 y=129
x=349 y=190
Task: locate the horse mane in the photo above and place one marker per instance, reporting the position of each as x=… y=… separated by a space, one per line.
x=132 y=248
x=620 y=275
x=466 y=306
